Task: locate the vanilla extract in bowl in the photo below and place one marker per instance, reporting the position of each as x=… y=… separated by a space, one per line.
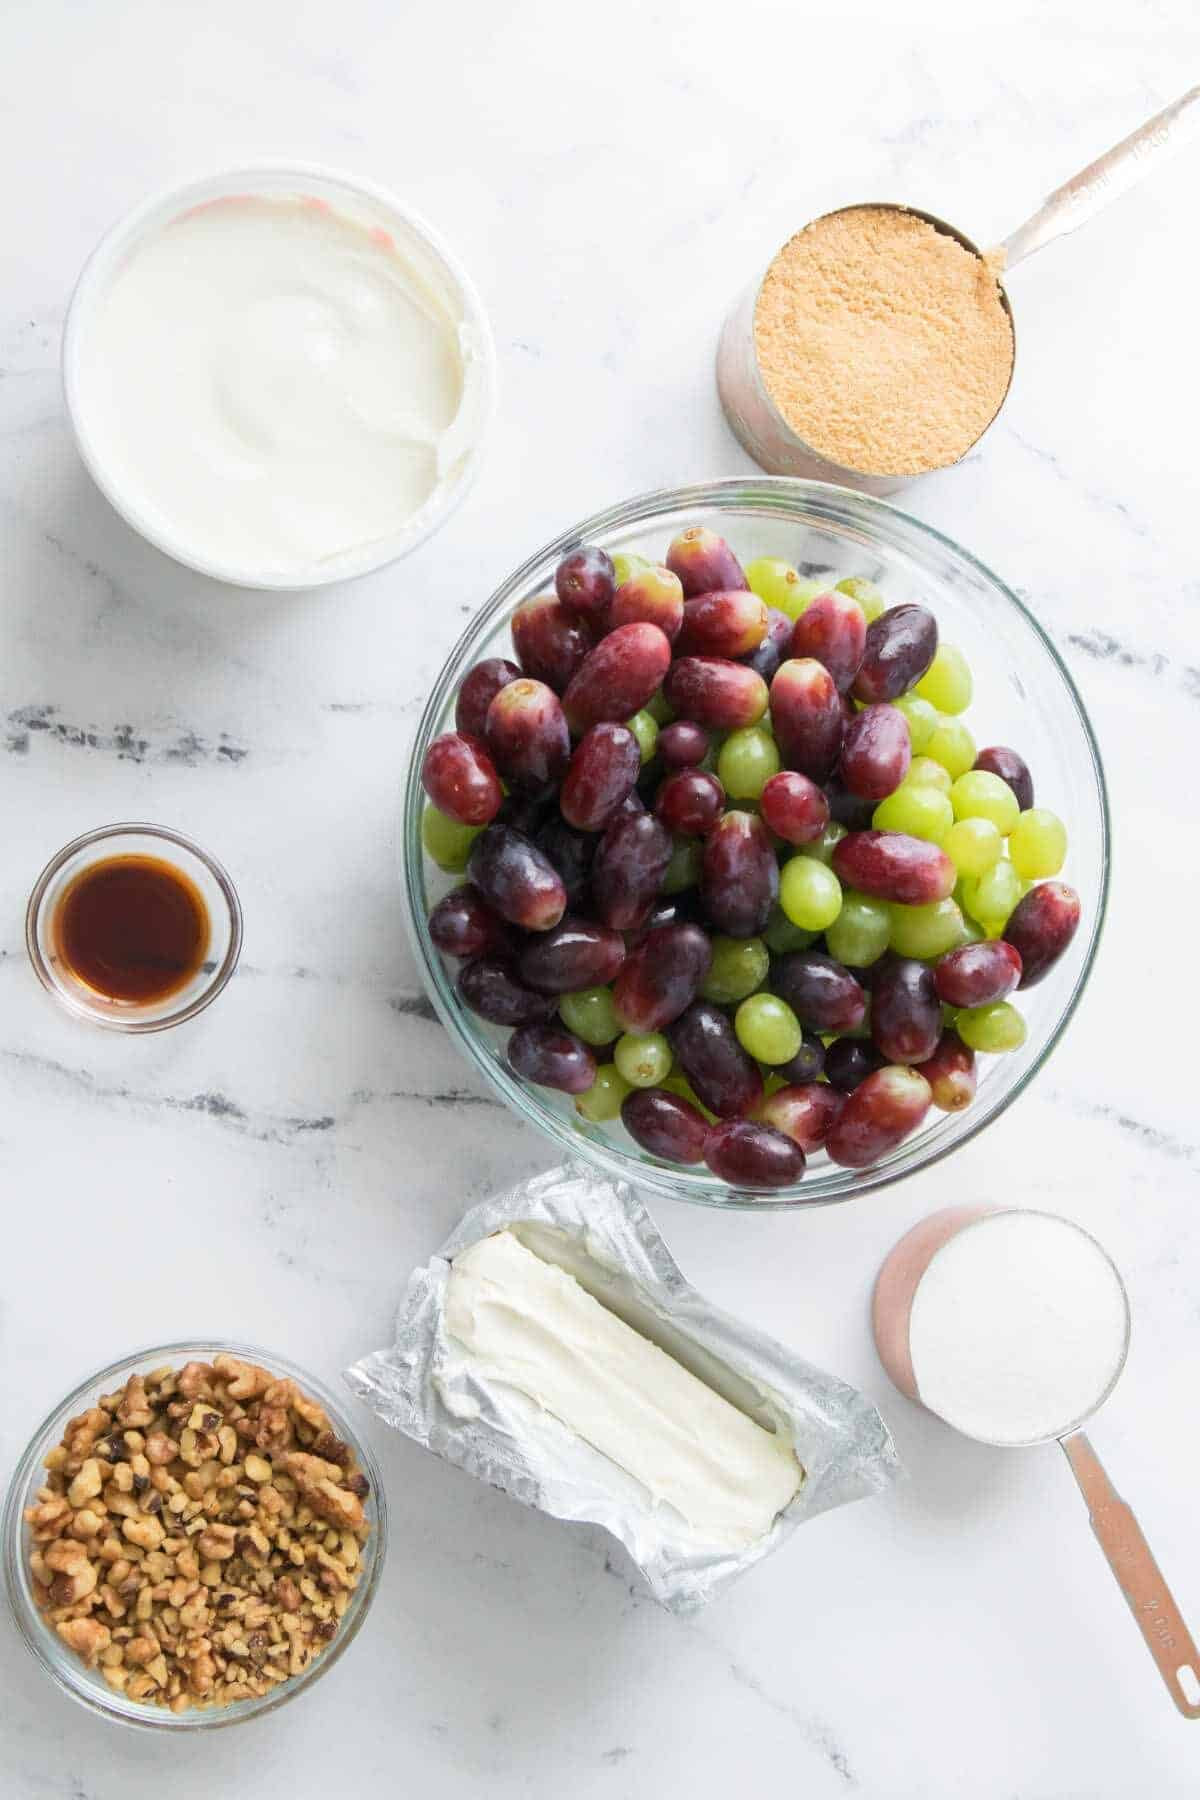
x=132 y=928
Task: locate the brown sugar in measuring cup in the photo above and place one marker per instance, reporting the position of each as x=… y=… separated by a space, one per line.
x=133 y=927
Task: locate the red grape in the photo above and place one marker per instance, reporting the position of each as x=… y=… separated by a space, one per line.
x=848 y=1062
x=1041 y=927
x=879 y=1114
x=977 y=974
x=551 y=1057
x=807 y=717
x=603 y=771
x=665 y=1124
x=681 y=745
x=833 y=629
x=462 y=924
x=571 y=853
x=808 y=1062
x=491 y=987
x=460 y=778
x=690 y=802
x=906 y=1015
x=794 y=807
x=876 y=753
x=893 y=866
x=527 y=734
x=574 y=955
x=724 y=1077
x=584 y=582
x=704 y=562
x=716 y=693
x=950 y=1072
x=901 y=644
x=804 y=1112
x=1011 y=768
x=750 y=1155
x=730 y=623
x=739 y=879
x=550 y=643
x=628 y=869
x=480 y=687
x=822 y=994
x=516 y=879
x=617 y=678
x=774 y=647
x=654 y=597
x=847 y=809
x=661 y=977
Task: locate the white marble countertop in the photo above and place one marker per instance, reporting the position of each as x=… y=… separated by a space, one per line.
x=273 y=1170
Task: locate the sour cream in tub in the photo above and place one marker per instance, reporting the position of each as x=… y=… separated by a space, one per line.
x=275 y=387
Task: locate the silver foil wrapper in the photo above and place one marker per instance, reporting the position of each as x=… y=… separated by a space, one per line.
x=602 y=1234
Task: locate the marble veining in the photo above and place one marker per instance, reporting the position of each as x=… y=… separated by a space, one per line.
x=273 y=1170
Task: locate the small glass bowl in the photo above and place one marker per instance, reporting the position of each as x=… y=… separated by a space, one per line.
x=202 y=870
x=1024 y=696
x=68 y=1670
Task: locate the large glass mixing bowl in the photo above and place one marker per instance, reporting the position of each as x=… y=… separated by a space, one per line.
x=1024 y=697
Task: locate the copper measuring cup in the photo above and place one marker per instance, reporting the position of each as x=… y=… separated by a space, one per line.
x=754 y=418
x=1117 y=1531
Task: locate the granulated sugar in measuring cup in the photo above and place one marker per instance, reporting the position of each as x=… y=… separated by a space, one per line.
x=1013 y=1327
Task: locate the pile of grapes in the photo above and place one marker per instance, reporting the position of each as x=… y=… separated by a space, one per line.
x=736 y=872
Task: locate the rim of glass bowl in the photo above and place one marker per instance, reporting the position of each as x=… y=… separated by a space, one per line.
x=822 y=502
x=131 y=1022
x=66 y=1670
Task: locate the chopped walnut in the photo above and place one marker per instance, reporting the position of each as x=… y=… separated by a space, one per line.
x=199 y=1534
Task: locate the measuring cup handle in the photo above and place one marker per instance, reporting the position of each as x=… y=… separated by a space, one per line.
x=1109 y=176
x=1130 y=1558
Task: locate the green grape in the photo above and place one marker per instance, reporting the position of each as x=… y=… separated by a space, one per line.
x=920 y=717
x=866 y=593
x=821 y=849
x=973 y=932
x=991 y=1028
x=748 y=758
x=781 y=585
x=860 y=933
x=946 y=683
x=809 y=893
x=973 y=846
x=952 y=745
x=924 y=772
x=645 y=729
x=683 y=870
x=767 y=1028
x=643 y=1058
x=628 y=564
x=590 y=1014
x=1038 y=844
x=922 y=812
x=678 y=1083
x=980 y=795
x=990 y=897
x=447 y=842
x=781 y=936
x=926 y=931
x=603 y=1099
x=660 y=708
x=739 y=967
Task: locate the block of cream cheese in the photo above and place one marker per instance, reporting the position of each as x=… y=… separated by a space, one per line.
x=553 y=1348
x=526 y=1324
